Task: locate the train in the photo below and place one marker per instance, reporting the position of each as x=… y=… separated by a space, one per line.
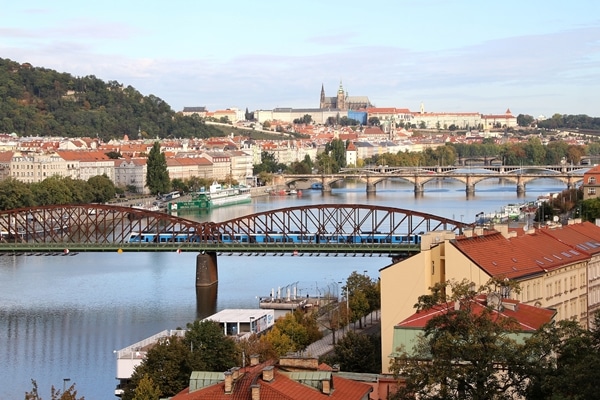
x=276 y=237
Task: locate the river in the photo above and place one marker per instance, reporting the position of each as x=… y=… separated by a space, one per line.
x=61 y=317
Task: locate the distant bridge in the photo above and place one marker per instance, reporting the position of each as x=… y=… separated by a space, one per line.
x=306 y=230
x=571 y=175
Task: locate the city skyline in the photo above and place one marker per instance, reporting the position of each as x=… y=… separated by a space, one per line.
x=533 y=57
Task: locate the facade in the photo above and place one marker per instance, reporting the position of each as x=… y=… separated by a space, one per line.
x=551 y=273
x=591 y=183
x=199 y=111
x=131 y=172
x=86 y=164
x=241 y=323
x=33 y=167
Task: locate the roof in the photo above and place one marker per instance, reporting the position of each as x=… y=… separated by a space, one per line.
x=529 y=318
x=284 y=386
x=517 y=257
x=584 y=236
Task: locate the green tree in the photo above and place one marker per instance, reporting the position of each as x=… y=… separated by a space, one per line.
x=374 y=121
x=51 y=191
x=337 y=150
x=357 y=352
x=279 y=341
x=466 y=351
x=567 y=361
x=524 y=120
x=102 y=188
x=210 y=349
x=146 y=390
x=157 y=175
x=15 y=194
x=166 y=363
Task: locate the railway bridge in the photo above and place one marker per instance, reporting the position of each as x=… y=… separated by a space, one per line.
x=329 y=229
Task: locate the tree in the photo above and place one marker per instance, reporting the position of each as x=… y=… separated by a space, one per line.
x=567 y=361
x=337 y=150
x=374 y=121
x=157 y=175
x=55 y=394
x=102 y=189
x=15 y=194
x=357 y=352
x=51 y=191
x=466 y=350
x=167 y=364
x=146 y=390
x=524 y=120
x=210 y=349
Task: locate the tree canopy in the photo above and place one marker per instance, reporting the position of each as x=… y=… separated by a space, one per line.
x=157 y=175
x=43 y=102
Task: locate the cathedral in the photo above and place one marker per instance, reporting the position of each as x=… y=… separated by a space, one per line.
x=342 y=101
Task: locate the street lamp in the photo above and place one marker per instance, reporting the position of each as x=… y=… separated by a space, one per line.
x=65 y=380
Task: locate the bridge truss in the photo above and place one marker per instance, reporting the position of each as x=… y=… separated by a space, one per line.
x=323 y=228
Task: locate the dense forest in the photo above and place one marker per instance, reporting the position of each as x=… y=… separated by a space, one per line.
x=42 y=102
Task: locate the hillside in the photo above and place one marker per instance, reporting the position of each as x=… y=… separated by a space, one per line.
x=43 y=102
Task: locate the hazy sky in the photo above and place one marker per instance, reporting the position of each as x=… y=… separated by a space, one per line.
x=534 y=57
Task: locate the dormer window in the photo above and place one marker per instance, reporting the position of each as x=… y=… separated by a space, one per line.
x=592 y=180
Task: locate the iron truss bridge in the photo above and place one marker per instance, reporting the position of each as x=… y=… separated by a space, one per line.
x=307 y=230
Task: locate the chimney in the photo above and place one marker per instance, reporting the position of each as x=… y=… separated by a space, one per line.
x=255 y=391
x=228 y=381
x=326 y=386
x=267 y=373
x=253 y=360
x=235 y=371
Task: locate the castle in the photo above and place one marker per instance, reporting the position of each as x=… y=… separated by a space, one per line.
x=342 y=101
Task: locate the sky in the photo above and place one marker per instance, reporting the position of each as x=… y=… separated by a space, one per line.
x=536 y=57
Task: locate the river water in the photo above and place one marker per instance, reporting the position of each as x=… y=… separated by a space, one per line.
x=61 y=317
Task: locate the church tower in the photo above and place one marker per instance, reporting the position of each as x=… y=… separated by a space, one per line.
x=341 y=98
x=322 y=103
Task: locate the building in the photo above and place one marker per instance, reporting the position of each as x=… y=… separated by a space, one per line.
x=244 y=322
x=551 y=272
x=33 y=167
x=528 y=318
x=199 y=111
x=86 y=164
x=130 y=174
x=342 y=101
x=591 y=183
x=290 y=378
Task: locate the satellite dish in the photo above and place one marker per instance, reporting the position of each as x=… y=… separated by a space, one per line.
x=525 y=228
x=555 y=218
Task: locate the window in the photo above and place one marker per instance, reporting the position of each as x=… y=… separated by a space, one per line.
x=591 y=190
x=592 y=180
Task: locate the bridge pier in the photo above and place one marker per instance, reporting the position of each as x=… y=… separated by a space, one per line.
x=470 y=188
x=371 y=188
x=419 y=188
x=521 y=188
x=206 y=269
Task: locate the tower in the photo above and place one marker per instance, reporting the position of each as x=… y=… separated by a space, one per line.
x=341 y=98
x=322 y=103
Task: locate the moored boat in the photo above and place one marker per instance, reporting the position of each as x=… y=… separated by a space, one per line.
x=216 y=196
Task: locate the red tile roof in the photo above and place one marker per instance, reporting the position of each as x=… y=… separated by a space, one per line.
x=529 y=318
x=280 y=388
x=517 y=257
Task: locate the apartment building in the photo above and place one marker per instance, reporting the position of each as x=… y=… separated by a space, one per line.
x=131 y=173
x=32 y=167
x=552 y=273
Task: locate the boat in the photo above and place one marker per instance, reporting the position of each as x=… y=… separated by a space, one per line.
x=216 y=196
x=316 y=186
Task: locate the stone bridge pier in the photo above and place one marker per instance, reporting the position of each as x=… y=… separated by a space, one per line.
x=470 y=185
x=520 y=185
x=206 y=269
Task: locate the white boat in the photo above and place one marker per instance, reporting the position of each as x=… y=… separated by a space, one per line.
x=216 y=196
